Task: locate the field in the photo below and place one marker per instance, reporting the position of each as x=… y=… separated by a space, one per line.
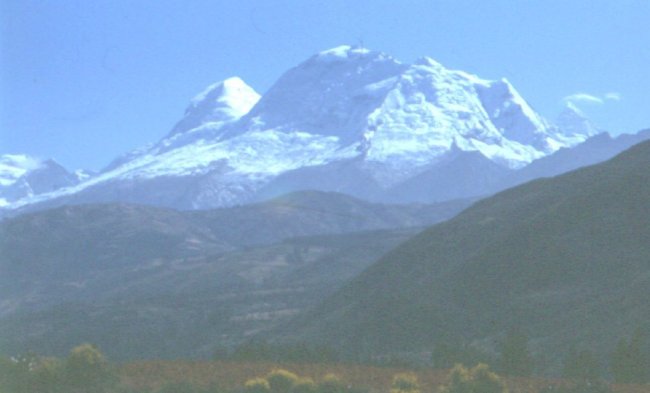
x=232 y=375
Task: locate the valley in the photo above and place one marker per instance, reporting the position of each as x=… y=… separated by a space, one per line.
x=125 y=277
x=405 y=227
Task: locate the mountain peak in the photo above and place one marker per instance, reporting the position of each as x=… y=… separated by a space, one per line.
x=228 y=89
x=13 y=166
x=22 y=175
x=345 y=104
x=427 y=62
x=572 y=121
x=219 y=103
x=346 y=52
x=329 y=94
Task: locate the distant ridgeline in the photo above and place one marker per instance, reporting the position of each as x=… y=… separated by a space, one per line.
x=299 y=217
x=349 y=120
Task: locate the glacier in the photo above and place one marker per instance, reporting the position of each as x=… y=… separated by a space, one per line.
x=23 y=177
x=349 y=115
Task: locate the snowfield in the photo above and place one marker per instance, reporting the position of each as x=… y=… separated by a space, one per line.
x=342 y=104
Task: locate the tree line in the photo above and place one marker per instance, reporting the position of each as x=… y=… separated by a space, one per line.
x=86 y=370
x=628 y=363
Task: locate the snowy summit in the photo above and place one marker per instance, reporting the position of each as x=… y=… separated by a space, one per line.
x=23 y=176
x=219 y=104
x=347 y=107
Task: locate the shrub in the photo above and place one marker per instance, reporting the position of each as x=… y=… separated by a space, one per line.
x=281 y=381
x=476 y=380
x=331 y=384
x=486 y=381
x=405 y=383
x=257 y=385
x=87 y=370
x=304 y=385
x=48 y=375
x=14 y=374
x=459 y=378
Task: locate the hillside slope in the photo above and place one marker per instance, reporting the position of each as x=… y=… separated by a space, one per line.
x=129 y=277
x=566 y=259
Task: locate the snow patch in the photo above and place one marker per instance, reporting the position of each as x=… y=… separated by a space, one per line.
x=342 y=52
x=13 y=166
x=341 y=104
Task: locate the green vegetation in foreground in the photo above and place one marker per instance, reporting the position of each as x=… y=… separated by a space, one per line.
x=86 y=370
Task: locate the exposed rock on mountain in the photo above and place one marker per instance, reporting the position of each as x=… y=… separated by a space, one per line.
x=347 y=119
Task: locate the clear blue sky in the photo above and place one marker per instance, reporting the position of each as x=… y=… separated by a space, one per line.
x=83 y=81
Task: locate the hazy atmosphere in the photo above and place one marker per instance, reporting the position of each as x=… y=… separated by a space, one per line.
x=324 y=196
x=82 y=81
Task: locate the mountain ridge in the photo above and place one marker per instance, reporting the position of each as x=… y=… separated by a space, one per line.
x=346 y=104
x=24 y=176
x=222 y=275
x=563 y=259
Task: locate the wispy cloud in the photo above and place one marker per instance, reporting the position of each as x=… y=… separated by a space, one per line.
x=582 y=98
x=591 y=99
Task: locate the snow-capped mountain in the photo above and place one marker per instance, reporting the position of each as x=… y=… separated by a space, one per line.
x=23 y=176
x=208 y=112
x=13 y=166
x=404 y=115
x=347 y=119
x=573 y=122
